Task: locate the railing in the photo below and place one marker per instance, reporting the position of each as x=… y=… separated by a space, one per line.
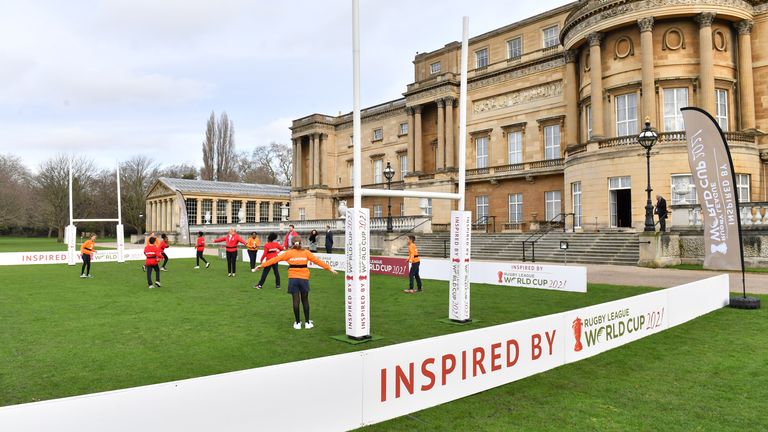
x=688 y=216
x=377 y=224
x=514 y=61
x=483 y=222
x=515 y=226
x=554 y=223
x=671 y=137
x=576 y=149
x=523 y=166
x=443 y=227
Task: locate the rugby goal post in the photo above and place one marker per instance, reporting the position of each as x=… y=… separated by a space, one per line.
x=357 y=228
x=70 y=232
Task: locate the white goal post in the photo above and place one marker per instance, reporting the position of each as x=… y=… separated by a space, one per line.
x=357 y=229
x=70 y=232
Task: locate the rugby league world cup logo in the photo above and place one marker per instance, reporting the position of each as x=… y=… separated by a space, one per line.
x=501 y=274
x=577 y=334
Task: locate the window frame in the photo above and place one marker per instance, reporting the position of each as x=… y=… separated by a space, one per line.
x=378 y=212
x=519 y=152
x=677 y=117
x=547 y=146
x=557 y=211
x=486 y=156
x=630 y=123
x=690 y=198
x=518 y=205
x=577 y=206
x=555 y=37
x=740 y=185
x=519 y=39
x=402 y=131
x=378 y=171
x=403 y=161
x=433 y=70
x=720 y=116
x=485 y=206
x=378 y=134
x=477 y=58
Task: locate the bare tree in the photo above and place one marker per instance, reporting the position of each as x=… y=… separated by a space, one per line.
x=104 y=192
x=274 y=160
x=52 y=181
x=15 y=193
x=252 y=171
x=225 y=150
x=184 y=171
x=284 y=161
x=136 y=176
x=208 y=172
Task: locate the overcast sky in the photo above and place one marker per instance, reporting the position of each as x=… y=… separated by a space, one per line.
x=116 y=78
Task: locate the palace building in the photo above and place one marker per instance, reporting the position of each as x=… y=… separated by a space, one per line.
x=555 y=105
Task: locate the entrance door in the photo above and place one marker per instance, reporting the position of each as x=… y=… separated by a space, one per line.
x=620 y=194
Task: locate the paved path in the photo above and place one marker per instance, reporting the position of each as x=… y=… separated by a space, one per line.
x=757 y=283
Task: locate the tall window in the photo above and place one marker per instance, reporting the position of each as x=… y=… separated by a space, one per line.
x=552 y=142
x=481 y=147
x=551 y=36
x=515 y=147
x=236 y=210
x=722 y=108
x=277 y=211
x=589 y=122
x=576 y=200
x=429 y=206
x=264 y=212
x=250 y=212
x=434 y=68
x=403 y=166
x=191 y=205
x=402 y=209
x=682 y=183
x=515 y=47
x=208 y=209
x=674 y=99
x=403 y=128
x=626 y=114
x=481 y=206
x=552 y=204
x=378 y=134
x=377 y=210
x=481 y=58
x=351 y=168
x=742 y=187
x=377 y=171
x=221 y=212
x=302 y=214
x=516 y=208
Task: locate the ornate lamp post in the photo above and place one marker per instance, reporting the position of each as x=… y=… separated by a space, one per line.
x=388 y=174
x=647 y=139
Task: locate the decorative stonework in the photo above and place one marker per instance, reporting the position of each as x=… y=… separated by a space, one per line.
x=518 y=97
x=440 y=103
x=517 y=73
x=673 y=39
x=704 y=19
x=623 y=48
x=719 y=40
x=645 y=24
x=450 y=101
x=744 y=27
x=594 y=39
x=431 y=92
x=571 y=56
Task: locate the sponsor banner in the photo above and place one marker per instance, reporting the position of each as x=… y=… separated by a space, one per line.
x=120 y=234
x=69 y=238
x=715 y=181
x=60 y=257
x=527 y=275
x=694 y=299
x=357 y=274
x=389 y=266
x=458 y=283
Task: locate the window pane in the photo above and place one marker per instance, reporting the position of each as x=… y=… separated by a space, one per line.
x=515 y=143
x=481 y=145
x=552 y=142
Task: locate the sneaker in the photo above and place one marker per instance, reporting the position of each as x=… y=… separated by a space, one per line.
x=163 y=269
x=409 y=291
x=233 y=275
x=82 y=276
x=309 y=324
x=207 y=265
x=253 y=270
x=297 y=326
x=278 y=287
x=143 y=268
x=151 y=286
x=229 y=274
x=89 y=276
x=196 y=267
x=157 y=283
x=257 y=286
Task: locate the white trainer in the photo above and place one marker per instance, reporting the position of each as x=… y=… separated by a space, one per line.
x=82 y=276
x=253 y=270
x=207 y=265
x=297 y=326
x=309 y=324
x=163 y=269
x=157 y=283
x=196 y=267
x=151 y=286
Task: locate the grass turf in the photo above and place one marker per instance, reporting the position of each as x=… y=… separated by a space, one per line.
x=64 y=336
x=42 y=244
x=701 y=267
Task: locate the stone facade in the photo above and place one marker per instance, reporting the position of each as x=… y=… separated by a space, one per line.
x=555 y=104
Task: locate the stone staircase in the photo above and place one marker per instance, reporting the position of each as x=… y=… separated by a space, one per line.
x=621 y=248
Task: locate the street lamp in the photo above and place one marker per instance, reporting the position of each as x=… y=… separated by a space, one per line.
x=388 y=174
x=647 y=139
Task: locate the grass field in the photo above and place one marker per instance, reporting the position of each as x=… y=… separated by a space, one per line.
x=41 y=244
x=701 y=267
x=63 y=336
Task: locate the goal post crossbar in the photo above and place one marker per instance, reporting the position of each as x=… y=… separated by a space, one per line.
x=95 y=220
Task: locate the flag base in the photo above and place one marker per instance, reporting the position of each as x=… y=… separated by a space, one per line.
x=356 y=340
x=457 y=322
x=745 y=303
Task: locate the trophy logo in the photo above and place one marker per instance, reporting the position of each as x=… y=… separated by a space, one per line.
x=577 y=333
x=501 y=274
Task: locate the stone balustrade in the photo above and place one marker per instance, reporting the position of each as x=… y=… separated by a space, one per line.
x=688 y=216
x=378 y=224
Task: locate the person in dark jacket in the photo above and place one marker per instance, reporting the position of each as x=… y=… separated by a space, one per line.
x=661 y=211
x=313 y=241
x=328 y=239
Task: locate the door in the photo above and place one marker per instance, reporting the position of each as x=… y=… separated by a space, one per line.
x=624 y=208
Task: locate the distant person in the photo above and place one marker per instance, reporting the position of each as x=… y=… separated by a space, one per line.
x=252 y=245
x=200 y=246
x=413 y=258
x=328 y=239
x=291 y=233
x=152 y=253
x=230 y=245
x=147 y=236
x=312 y=241
x=271 y=250
x=163 y=246
x=298 y=278
x=86 y=252
x=661 y=211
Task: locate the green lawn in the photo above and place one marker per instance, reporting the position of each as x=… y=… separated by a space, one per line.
x=64 y=336
x=701 y=267
x=41 y=244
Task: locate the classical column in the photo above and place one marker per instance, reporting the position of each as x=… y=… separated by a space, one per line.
x=199 y=215
x=596 y=77
x=229 y=211
x=746 y=84
x=316 y=160
x=321 y=141
x=450 y=144
x=311 y=167
x=163 y=215
x=155 y=216
x=171 y=205
x=417 y=154
x=294 y=165
x=215 y=211
x=646 y=61
x=299 y=164
x=440 y=150
x=571 y=98
x=411 y=141
x=706 y=62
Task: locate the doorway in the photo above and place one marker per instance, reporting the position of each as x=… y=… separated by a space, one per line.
x=620 y=190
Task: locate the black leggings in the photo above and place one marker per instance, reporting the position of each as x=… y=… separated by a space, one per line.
x=414 y=273
x=252 y=257
x=304 y=297
x=86 y=264
x=231 y=261
x=165 y=259
x=265 y=273
x=200 y=257
x=156 y=268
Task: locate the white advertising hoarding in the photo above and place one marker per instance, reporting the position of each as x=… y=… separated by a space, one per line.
x=104 y=255
x=458 y=284
x=357 y=273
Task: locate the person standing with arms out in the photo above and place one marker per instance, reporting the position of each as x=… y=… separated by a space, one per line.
x=413 y=258
x=271 y=250
x=298 y=278
x=253 y=244
x=291 y=233
x=163 y=246
x=152 y=253
x=86 y=252
x=146 y=243
x=328 y=240
x=313 y=241
x=200 y=246
x=230 y=244
x=661 y=210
